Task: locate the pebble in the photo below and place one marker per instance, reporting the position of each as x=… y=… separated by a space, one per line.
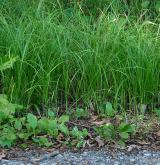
x=102 y=164
x=147 y=154
x=132 y=160
x=116 y=163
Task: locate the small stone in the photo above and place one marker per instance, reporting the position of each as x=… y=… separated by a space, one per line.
x=59 y=156
x=85 y=153
x=147 y=154
x=102 y=164
x=132 y=160
x=116 y=163
x=121 y=158
x=153 y=155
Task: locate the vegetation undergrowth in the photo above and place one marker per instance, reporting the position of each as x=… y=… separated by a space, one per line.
x=66 y=60
x=44 y=131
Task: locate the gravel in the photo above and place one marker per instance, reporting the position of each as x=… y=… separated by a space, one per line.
x=100 y=157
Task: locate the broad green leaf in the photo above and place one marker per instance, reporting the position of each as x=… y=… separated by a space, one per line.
x=63 y=119
x=107 y=110
x=124 y=135
x=3 y=116
x=64 y=129
x=7 y=137
x=81 y=113
x=75 y=132
x=157 y=6
x=84 y=132
x=53 y=124
x=43 y=124
x=42 y=141
x=32 y=120
x=54 y=133
x=106 y=131
x=3 y=99
x=51 y=113
x=123 y=127
x=24 y=135
x=145 y=4
x=81 y=144
x=24 y=145
x=121 y=143
x=18 y=125
x=157 y=111
x=6 y=108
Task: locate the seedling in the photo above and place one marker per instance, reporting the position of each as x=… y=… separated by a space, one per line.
x=106 y=110
x=81 y=113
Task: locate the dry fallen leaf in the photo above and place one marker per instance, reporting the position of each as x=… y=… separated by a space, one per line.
x=158 y=133
x=132 y=147
x=101 y=122
x=99 y=141
x=93 y=118
x=143 y=142
x=2 y=154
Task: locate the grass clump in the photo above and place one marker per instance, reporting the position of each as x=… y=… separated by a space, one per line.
x=70 y=58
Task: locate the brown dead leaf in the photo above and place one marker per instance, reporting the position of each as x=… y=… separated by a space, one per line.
x=90 y=136
x=99 y=141
x=101 y=122
x=91 y=143
x=2 y=154
x=143 y=143
x=60 y=137
x=94 y=118
x=158 y=133
x=132 y=147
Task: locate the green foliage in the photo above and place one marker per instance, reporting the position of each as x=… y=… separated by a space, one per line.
x=157 y=111
x=7 y=136
x=81 y=113
x=157 y=6
x=106 y=131
x=124 y=131
x=133 y=8
x=7 y=109
x=51 y=114
x=48 y=126
x=29 y=127
x=63 y=119
x=79 y=136
x=32 y=121
x=118 y=134
x=42 y=141
x=64 y=129
x=6 y=63
x=145 y=4
x=107 y=110
x=18 y=125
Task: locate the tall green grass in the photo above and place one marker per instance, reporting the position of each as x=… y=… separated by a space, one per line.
x=65 y=57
